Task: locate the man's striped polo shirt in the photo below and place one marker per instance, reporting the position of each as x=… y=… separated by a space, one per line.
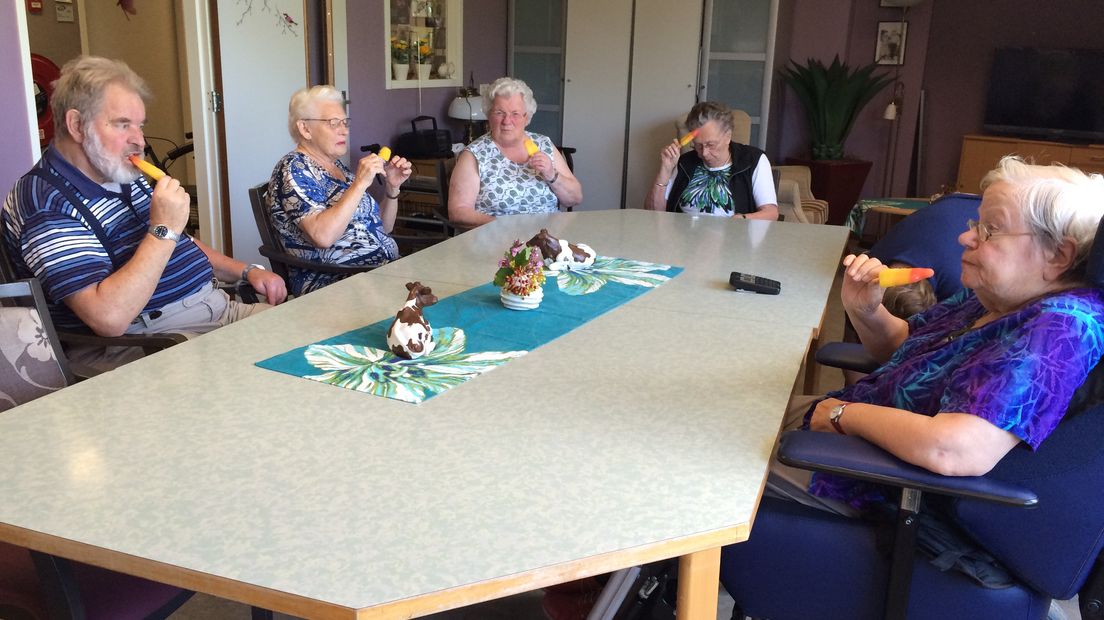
x=47 y=237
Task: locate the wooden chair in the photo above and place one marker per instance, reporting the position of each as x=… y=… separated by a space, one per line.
x=273 y=249
x=444 y=173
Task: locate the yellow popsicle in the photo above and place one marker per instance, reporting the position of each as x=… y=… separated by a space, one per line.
x=683 y=141
x=902 y=276
x=149 y=169
x=385 y=154
x=531 y=147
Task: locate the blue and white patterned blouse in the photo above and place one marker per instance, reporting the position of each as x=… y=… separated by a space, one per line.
x=300 y=187
x=508 y=188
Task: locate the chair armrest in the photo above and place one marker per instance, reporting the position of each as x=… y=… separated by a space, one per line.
x=242 y=290
x=148 y=342
x=846 y=355
x=295 y=261
x=857 y=458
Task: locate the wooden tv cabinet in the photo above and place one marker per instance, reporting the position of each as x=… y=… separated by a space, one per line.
x=981 y=153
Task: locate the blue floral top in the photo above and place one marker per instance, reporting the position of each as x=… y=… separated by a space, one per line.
x=300 y=187
x=1019 y=372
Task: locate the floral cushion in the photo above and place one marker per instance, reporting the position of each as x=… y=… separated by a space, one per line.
x=28 y=362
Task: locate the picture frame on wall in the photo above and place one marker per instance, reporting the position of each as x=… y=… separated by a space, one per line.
x=890 y=46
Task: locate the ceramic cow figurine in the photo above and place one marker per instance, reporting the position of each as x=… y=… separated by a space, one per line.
x=410 y=336
x=559 y=254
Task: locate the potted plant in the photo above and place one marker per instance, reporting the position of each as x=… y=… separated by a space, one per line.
x=521 y=276
x=833 y=96
x=424 y=58
x=400 y=57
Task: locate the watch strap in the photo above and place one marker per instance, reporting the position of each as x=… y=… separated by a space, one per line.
x=834 y=417
x=248 y=268
x=164 y=232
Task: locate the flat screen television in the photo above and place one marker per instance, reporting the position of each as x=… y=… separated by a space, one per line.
x=1047 y=93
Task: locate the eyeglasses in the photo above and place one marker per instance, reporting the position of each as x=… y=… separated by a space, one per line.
x=986 y=232
x=501 y=115
x=332 y=122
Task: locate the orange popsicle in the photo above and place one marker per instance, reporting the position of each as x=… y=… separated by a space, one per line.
x=531 y=147
x=902 y=276
x=683 y=141
x=385 y=154
x=151 y=171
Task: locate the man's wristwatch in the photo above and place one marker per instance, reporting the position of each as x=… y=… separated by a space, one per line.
x=834 y=417
x=248 y=268
x=164 y=232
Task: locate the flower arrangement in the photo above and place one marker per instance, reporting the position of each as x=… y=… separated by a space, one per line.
x=521 y=270
x=400 y=50
x=424 y=51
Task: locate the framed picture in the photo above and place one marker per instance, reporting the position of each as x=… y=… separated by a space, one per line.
x=890 y=48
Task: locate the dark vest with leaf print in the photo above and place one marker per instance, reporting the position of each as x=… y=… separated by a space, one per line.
x=744 y=160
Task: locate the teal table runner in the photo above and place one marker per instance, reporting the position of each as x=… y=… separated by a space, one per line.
x=474 y=333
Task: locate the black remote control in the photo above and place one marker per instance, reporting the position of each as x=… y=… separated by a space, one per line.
x=757 y=284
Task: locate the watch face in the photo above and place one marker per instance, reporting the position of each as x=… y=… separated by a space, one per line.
x=161 y=231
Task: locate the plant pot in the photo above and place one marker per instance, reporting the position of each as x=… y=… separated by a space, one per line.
x=400 y=69
x=839 y=181
x=521 y=302
x=423 y=71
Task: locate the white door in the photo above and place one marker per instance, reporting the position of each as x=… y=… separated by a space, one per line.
x=263 y=61
x=666 y=47
x=596 y=85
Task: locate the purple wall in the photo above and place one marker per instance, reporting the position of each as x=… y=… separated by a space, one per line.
x=381 y=114
x=956 y=78
x=849 y=28
x=16 y=156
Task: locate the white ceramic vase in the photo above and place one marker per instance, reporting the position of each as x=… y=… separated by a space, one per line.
x=521 y=302
x=423 y=71
x=400 y=69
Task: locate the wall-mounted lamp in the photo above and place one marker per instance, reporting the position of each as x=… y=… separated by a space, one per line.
x=893 y=108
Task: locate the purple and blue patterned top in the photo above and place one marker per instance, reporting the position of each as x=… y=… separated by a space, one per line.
x=300 y=187
x=1019 y=372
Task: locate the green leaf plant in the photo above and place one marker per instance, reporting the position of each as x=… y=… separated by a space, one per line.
x=832 y=97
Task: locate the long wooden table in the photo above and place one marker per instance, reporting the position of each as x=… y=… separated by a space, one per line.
x=644 y=434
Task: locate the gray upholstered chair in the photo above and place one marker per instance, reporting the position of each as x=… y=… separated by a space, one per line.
x=31 y=362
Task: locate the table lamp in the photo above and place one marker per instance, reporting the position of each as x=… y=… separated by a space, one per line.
x=467 y=107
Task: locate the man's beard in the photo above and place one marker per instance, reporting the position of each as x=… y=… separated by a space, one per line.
x=115 y=169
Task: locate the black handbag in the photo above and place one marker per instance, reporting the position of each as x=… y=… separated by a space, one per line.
x=424 y=142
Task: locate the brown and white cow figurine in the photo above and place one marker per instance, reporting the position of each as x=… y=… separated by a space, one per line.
x=410 y=336
x=559 y=255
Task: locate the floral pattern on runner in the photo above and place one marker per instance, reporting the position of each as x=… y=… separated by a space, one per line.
x=608 y=269
x=380 y=372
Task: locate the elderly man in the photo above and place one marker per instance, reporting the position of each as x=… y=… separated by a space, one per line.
x=110 y=254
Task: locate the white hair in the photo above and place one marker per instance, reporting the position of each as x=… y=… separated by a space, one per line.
x=508 y=87
x=82 y=84
x=1058 y=202
x=304 y=104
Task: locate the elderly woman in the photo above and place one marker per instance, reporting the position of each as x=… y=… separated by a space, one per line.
x=959 y=387
x=718 y=177
x=495 y=175
x=322 y=210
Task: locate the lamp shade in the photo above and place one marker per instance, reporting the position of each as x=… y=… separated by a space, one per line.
x=467 y=109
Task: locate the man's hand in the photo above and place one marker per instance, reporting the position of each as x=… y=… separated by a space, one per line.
x=268 y=284
x=170 y=205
